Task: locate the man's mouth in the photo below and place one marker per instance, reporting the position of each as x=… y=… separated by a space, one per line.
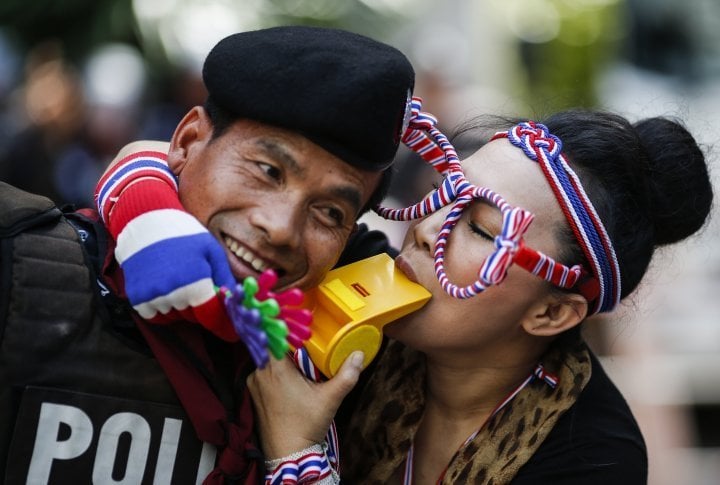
x=247 y=256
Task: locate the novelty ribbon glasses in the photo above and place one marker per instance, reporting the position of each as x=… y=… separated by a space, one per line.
x=601 y=287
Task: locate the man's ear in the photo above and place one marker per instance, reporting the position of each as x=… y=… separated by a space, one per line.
x=194 y=131
x=556 y=314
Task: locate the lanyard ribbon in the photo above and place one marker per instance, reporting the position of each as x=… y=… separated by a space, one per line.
x=538 y=373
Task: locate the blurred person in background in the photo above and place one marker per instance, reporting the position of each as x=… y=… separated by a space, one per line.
x=75 y=121
x=54 y=104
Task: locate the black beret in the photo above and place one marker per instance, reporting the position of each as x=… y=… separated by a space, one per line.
x=345 y=92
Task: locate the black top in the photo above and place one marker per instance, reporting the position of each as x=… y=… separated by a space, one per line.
x=597 y=441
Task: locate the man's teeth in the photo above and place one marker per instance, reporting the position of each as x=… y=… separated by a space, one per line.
x=245 y=255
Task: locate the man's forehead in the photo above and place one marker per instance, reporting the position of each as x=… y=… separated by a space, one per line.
x=278 y=151
x=342 y=180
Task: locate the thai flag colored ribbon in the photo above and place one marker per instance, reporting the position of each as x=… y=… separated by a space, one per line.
x=602 y=285
x=541 y=146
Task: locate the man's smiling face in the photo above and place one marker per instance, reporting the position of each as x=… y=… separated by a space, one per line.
x=273 y=198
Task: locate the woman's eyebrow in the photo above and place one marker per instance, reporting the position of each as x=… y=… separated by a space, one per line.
x=486 y=203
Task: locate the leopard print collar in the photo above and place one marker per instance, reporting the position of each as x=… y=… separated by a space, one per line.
x=391 y=407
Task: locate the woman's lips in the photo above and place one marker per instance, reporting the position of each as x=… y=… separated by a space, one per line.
x=402 y=264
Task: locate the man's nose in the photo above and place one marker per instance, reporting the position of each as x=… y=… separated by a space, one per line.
x=281 y=221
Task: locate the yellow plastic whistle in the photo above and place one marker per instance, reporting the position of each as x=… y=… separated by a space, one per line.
x=351 y=306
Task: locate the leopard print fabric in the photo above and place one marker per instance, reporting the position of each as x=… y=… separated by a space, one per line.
x=390 y=410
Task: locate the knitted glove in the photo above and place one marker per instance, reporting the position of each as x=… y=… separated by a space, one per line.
x=171 y=263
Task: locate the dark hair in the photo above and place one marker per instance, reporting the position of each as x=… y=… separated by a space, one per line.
x=222 y=119
x=648 y=182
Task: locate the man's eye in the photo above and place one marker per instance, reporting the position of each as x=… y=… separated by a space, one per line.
x=270 y=170
x=481 y=231
x=337 y=215
x=333 y=216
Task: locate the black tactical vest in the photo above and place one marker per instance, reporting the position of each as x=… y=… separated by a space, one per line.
x=81 y=397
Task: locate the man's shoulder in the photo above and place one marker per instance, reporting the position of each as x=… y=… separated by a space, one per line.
x=20 y=210
x=45 y=275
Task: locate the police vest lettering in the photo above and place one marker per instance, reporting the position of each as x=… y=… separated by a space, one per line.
x=104 y=440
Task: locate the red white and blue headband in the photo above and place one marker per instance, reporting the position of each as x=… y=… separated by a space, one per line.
x=601 y=285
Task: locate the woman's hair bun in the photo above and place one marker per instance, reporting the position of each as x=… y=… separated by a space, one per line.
x=681 y=192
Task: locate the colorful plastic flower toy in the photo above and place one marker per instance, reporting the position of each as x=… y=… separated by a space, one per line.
x=297 y=319
x=267 y=321
x=247 y=323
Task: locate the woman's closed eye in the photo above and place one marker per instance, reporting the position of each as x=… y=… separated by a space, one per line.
x=481 y=231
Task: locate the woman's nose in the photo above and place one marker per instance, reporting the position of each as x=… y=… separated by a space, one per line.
x=425 y=230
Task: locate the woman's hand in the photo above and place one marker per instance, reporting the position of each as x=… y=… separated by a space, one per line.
x=294 y=412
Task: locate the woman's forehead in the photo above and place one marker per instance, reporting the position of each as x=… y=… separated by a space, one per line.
x=506 y=170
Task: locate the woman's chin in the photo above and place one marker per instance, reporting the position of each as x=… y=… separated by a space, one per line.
x=395 y=329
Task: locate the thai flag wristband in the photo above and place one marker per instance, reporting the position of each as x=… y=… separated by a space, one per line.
x=310 y=465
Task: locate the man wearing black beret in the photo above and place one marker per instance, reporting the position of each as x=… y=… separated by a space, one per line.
x=293 y=144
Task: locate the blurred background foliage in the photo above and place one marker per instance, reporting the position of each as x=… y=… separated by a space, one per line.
x=80 y=24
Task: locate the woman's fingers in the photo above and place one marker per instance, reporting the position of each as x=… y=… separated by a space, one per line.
x=294 y=412
x=345 y=379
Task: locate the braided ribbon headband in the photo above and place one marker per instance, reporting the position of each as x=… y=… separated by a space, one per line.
x=425 y=139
